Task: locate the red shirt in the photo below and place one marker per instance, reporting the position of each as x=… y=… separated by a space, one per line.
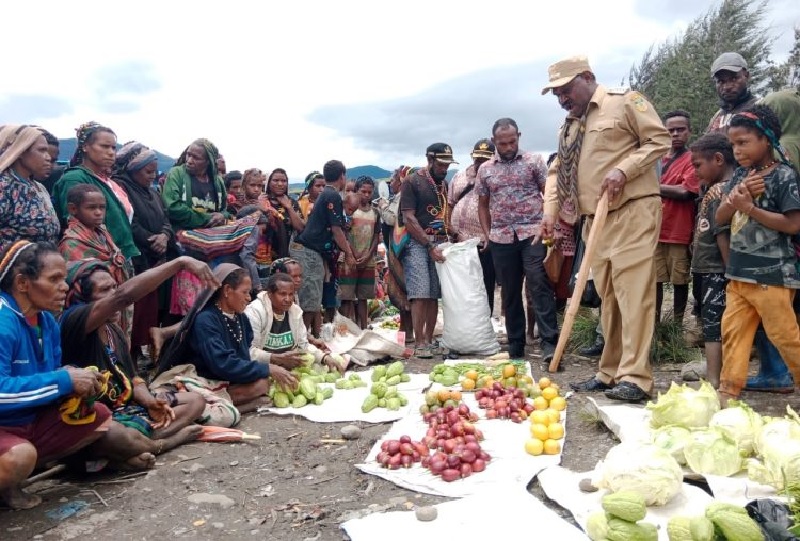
x=677 y=221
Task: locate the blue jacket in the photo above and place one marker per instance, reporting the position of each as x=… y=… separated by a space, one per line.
x=30 y=374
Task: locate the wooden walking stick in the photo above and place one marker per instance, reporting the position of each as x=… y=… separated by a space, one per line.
x=580 y=281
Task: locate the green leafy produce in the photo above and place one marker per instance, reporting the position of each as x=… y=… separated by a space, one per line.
x=678 y=529
x=370 y=403
x=672 y=439
x=709 y=452
x=626 y=505
x=733 y=522
x=280 y=400
x=597 y=526
x=684 y=406
x=327 y=393
x=642 y=468
x=778 y=447
x=738 y=423
x=299 y=401
x=308 y=358
x=622 y=530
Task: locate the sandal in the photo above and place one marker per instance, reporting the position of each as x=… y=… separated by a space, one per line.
x=423 y=352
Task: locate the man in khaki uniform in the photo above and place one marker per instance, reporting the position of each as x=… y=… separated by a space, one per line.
x=610 y=142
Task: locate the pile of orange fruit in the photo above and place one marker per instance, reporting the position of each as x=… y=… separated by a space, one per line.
x=546 y=428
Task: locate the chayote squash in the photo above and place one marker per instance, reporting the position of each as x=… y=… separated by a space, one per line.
x=394 y=380
x=378 y=372
x=622 y=530
x=597 y=526
x=395 y=369
x=391 y=392
x=354 y=377
x=308 y=388
x=343 y=384
x=370 y=403
x=327 y=392
x=381 y=402
x=331 y=377
x=403 y=400
x=319 y=398
x=678 y=529
x=280 y=400
x=393 y=404
x=379 y=389
x=626 y=505
x=405 y=378
x=299 y=401
x=359 y=383
x=733 y=522
x=701 y=529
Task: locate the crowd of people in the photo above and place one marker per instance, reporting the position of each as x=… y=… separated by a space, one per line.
x=225 y=279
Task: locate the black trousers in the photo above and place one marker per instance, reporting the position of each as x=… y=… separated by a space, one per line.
x=512 y=263
x=489 y=276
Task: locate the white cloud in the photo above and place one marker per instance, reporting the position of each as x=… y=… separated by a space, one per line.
x=249 y=75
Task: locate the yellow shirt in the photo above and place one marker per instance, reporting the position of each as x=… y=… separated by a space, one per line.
x=623 y=131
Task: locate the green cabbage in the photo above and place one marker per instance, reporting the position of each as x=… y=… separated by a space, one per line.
x=672 y=439
x=710 y=452
x=642 y=468
x=684 y=406
x=778 y=447
x=739 y=423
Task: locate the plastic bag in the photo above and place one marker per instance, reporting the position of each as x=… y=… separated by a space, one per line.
x=774 y=519
x=467 y=321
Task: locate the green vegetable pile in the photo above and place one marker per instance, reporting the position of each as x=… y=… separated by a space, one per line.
x=308 y=391
x=383 y=393
x=353 y=381
x=620 y=519
x=721 y=521
x=448 y=375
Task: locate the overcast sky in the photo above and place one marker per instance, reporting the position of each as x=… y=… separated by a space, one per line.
x=295 y=83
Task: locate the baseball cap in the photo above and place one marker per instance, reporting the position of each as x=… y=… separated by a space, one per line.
x=729 y=62
x=483 y=149
x=441 y=152
x=564 y=71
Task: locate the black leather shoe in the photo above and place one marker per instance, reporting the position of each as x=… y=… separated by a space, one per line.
x=627 y=392
x=594 y=350
x=593 y=385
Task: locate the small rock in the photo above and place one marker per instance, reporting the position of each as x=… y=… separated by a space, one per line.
x=214 y=499
x=180 y=531
x=234 y=463
x=426 y=514
x=193 y=468
x=585 y=485
x=351 y=432
x=253 y=532
x=63 y=500
x=217 y=525
x=321 y=469
x=397 y=500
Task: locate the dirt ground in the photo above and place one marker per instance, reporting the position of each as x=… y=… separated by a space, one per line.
x=287 y=486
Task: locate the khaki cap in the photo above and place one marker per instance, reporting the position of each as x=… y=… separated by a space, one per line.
x=564 y=71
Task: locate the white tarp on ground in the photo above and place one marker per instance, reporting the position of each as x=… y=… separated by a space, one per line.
x=364 y=346
x=504 y=441
x=561 y=485
x=481 y=516
x=632 y=422
x=345 y=405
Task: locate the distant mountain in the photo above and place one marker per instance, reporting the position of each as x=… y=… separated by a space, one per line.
x=373 y=171
x=67 y=149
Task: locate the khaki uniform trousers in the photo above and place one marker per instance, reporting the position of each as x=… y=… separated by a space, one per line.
x=747 y=305
x=624 y=274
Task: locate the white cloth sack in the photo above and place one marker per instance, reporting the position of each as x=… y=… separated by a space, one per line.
x=467 y=321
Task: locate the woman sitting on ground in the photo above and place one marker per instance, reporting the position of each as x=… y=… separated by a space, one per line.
x=215 y=336
x=279 y=334
x=91 y=337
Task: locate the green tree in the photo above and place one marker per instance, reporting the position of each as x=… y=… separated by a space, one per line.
x=676 y=74
x=786 y=74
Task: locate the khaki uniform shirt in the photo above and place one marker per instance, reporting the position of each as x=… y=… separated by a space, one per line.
x=623 y=131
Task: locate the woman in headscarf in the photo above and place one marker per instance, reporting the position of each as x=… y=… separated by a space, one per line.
x=90 y=337
x=25 y=208
x=194 y=191
x=395 y=277
x=288 y=209
x=135 y=170
x=314 y=184
x=93 y=163
x=215 y=337
x=196 y=202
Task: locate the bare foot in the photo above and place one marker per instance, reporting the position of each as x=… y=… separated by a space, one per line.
x=16 y=498
x=184 y=435
x=253 y=405
x=144 y=461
